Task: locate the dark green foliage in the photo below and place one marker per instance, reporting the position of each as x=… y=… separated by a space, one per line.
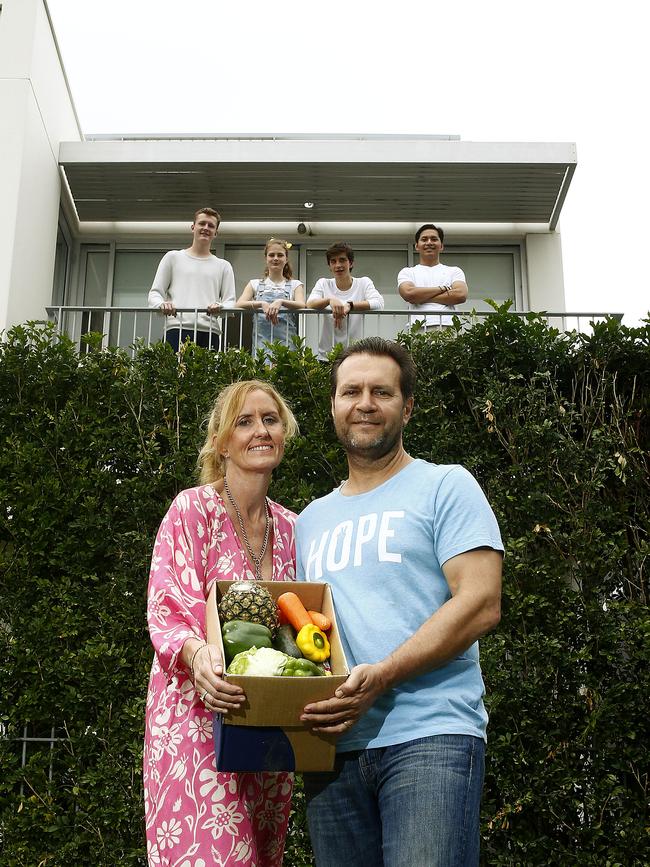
x=555 y=427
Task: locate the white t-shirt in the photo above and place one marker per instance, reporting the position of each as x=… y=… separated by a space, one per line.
x=191 y=281
x=362 y=289
x=431 y=275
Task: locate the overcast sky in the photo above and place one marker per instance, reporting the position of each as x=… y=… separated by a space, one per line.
x=501 y=71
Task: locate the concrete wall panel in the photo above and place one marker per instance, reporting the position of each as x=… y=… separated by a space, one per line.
x=36 y=106
x=36 y=222
x=545 y=274
x=13 y=101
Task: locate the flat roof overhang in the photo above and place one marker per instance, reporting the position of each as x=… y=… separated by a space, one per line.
x=348 y=179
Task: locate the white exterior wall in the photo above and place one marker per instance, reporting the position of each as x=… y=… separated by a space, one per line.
x=38 y=114
x=545 y=276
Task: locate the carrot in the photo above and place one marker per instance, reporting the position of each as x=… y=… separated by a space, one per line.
x=321 y=620
x=293 y=609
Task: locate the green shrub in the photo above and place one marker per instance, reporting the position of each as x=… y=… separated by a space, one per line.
x=95 y=446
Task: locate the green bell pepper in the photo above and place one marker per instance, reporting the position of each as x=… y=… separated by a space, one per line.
x=240 y=635
x=301 y=668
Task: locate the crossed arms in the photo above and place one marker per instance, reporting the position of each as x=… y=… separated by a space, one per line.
x=455 y=293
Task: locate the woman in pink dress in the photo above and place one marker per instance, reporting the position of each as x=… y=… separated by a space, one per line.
x=226 y=529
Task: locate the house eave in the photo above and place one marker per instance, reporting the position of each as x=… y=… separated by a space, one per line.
x=347 y=179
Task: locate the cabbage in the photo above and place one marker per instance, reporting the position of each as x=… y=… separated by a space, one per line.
x=258 y=662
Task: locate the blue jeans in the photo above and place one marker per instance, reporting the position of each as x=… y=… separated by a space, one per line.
x=415 y=804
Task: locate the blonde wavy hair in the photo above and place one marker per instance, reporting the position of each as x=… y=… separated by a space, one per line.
x=221 y=422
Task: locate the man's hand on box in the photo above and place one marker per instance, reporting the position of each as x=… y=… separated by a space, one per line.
x=338 y=714
x=217 y=694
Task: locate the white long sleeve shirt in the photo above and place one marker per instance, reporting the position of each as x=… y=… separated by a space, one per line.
x=191 y=281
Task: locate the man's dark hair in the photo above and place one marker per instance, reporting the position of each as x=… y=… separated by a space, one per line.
x=440 y=232
x=379 y=346
x=340 y=247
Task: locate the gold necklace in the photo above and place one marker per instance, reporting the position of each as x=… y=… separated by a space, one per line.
x=256 y=561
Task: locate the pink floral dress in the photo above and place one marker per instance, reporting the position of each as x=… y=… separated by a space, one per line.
x=195 y=815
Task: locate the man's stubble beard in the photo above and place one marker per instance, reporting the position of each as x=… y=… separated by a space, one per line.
x=374 y=449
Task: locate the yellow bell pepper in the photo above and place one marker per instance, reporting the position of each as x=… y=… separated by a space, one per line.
x=313 y=644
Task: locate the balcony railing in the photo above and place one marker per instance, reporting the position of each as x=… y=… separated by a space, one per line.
x=234 y=328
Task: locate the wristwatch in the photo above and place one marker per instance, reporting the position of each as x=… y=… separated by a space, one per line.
x=351 y=305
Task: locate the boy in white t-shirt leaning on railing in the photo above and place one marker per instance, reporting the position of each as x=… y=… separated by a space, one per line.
x=343 y=294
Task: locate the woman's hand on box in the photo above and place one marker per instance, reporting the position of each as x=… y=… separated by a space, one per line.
x=217 y=694
x=352 y=699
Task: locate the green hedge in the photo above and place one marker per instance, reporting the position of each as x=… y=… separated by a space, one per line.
x=555 y=427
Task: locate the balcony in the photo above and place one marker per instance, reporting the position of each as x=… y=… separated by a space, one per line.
x=125 y=327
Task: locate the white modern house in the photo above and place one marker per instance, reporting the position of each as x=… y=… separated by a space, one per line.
x=84 y=220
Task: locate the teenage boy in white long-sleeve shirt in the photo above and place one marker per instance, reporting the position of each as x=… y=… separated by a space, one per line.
x=194 y=277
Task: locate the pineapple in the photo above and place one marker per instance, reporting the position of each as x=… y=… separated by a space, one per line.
x=248 y=600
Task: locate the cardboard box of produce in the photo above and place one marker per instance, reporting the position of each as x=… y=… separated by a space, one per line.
x=266 y=734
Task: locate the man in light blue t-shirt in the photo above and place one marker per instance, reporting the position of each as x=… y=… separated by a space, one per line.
x=413 y=554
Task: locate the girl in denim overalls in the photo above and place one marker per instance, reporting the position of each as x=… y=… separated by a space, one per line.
x=274 y=296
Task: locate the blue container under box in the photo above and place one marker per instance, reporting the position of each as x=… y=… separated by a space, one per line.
x=268 y=748
x=266 y=734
